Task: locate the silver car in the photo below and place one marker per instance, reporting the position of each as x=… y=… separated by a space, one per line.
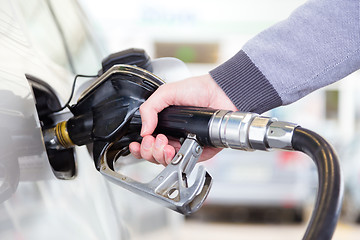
x=55 y=194
x=260 y=186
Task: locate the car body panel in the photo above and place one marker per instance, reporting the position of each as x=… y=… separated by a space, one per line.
x=34 y=204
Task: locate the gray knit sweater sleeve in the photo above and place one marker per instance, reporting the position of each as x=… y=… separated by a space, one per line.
x=317 y=45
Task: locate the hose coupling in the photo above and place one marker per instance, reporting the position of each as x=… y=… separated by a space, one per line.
x=249 y=131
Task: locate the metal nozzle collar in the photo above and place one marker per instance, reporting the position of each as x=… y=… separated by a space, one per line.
x=230 y=129
x=249 y=131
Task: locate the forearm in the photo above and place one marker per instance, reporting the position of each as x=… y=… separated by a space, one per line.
x=316 y=46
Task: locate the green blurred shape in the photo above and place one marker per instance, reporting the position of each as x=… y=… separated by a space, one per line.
x=186 y=54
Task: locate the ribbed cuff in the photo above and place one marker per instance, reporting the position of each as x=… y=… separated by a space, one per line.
x=245 y=85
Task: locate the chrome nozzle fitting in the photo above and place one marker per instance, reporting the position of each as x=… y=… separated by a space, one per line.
x=249 y=131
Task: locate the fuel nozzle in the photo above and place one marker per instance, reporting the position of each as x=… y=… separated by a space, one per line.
x=106 y=118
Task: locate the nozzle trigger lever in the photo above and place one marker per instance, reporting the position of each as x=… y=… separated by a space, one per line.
x=170 y=187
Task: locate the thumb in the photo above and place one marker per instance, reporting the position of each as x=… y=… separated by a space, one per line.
x=152 y=106
x=149 y=121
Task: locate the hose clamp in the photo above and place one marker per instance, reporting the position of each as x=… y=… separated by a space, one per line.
x=279 y=135
x=257 y=132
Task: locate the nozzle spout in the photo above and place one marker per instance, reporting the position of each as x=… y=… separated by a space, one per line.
x=58 y=137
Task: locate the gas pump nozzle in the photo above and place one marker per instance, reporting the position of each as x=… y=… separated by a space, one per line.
x=107 y=117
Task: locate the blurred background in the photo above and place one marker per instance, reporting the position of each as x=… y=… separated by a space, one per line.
x=256 y=187
x=255 y=195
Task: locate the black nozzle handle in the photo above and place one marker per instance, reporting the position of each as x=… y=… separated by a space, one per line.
x=179 y=121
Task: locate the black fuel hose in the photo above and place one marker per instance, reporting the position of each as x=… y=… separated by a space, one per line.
x=329 y=196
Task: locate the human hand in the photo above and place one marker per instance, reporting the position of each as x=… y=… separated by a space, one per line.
x=201 y=91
